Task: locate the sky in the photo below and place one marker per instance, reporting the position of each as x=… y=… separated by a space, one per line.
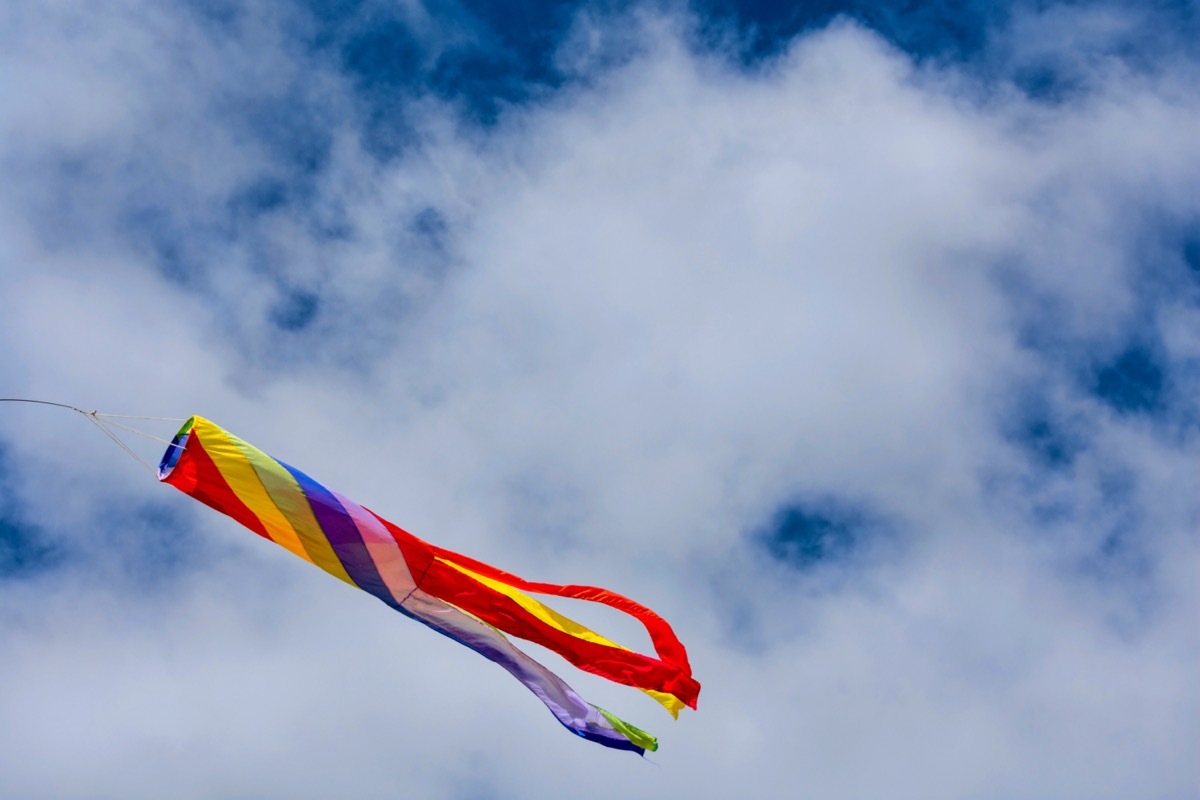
x=860 y=340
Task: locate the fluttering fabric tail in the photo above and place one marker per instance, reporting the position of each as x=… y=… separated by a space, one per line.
x=464 y=599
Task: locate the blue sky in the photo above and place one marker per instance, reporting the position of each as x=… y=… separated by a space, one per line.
x=859 y=339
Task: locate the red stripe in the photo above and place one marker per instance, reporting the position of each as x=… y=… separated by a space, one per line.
x=614 y=663
x=197 y=476
x=666 y=643
x=669 y=673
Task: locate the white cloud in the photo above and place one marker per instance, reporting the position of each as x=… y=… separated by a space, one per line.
x=656 y=307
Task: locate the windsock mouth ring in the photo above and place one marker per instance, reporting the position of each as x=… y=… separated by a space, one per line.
x=175 y=449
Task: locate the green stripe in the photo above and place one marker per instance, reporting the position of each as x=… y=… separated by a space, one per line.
x=287 y=496
x=635 y=735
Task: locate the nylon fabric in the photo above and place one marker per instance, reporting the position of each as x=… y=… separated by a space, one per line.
x=461 y=598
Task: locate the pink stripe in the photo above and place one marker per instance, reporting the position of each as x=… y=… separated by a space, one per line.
x=382 y=548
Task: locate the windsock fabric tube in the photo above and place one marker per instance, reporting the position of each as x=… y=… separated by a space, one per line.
x=466 y=600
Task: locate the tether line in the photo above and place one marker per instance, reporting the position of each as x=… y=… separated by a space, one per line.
x=103 y=421
x=127 y=416
x=101 y=418
x=120 y=443
x=44 y=403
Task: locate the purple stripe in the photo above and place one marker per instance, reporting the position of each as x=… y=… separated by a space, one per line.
x=572 y=711
x=343 y=536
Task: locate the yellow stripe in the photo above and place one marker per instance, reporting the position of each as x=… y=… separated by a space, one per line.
x=276 y=490
x=669 y=701
x=556 y=620
x=243 y=480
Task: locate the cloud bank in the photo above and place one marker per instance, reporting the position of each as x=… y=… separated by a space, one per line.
x=869 y=363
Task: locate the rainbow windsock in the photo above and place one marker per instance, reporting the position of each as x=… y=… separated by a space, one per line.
x=467 y=600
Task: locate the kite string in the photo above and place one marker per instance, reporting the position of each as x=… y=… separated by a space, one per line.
x=103 y=420
x=41 y=403
x=100 y=418
x=120 y=443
